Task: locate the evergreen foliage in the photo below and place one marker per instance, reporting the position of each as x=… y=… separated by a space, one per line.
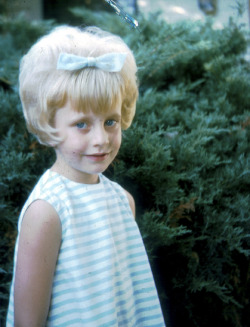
x=185 y=159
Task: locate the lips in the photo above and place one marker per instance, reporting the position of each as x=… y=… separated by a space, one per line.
x=97 y=157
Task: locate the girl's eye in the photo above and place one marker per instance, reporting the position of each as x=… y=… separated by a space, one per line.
x=110 y=122
x=81 y=125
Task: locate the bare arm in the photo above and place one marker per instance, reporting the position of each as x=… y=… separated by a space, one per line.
x=39 y=243
x=131 y=201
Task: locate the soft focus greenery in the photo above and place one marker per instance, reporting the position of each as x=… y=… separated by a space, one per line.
x=185 y=160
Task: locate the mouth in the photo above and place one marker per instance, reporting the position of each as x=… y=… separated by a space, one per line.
x=97 y=157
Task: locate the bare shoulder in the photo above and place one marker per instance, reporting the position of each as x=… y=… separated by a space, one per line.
x=40 y=224
x=41 y=208
x=40 y=229
x=41 y=216
x=131 y=201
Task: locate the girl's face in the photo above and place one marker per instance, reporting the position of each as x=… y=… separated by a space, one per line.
x=90 y=142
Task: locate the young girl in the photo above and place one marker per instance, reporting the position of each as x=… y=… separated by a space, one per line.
x=79 y=257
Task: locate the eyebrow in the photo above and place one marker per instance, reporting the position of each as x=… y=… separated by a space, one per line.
x=86 y=117
x=114 y=116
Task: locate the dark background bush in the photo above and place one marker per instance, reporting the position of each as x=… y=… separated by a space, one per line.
x=185 y=160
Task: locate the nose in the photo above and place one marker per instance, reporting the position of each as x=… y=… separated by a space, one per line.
x=100 y=136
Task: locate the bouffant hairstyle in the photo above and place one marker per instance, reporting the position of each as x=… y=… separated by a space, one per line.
x=44 y=88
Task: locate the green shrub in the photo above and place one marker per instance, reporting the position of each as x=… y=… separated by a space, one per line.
x=185 y=159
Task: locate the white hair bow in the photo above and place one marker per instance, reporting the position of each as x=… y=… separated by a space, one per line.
x=110 y=62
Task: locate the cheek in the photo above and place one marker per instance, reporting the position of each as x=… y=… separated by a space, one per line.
x=74 y=144
x=117 y=139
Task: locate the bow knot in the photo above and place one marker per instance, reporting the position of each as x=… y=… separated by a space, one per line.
x=91 y=62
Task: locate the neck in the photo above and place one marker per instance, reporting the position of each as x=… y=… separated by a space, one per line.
x=74 y=174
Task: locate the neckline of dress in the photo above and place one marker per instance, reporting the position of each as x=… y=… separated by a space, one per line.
x=71 y=182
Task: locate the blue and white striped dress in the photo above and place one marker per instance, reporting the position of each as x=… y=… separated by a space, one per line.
x=102 y=277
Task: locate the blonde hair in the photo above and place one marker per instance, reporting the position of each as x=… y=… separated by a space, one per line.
x=44 y=89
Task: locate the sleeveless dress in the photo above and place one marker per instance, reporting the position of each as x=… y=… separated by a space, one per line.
x=103 y=277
